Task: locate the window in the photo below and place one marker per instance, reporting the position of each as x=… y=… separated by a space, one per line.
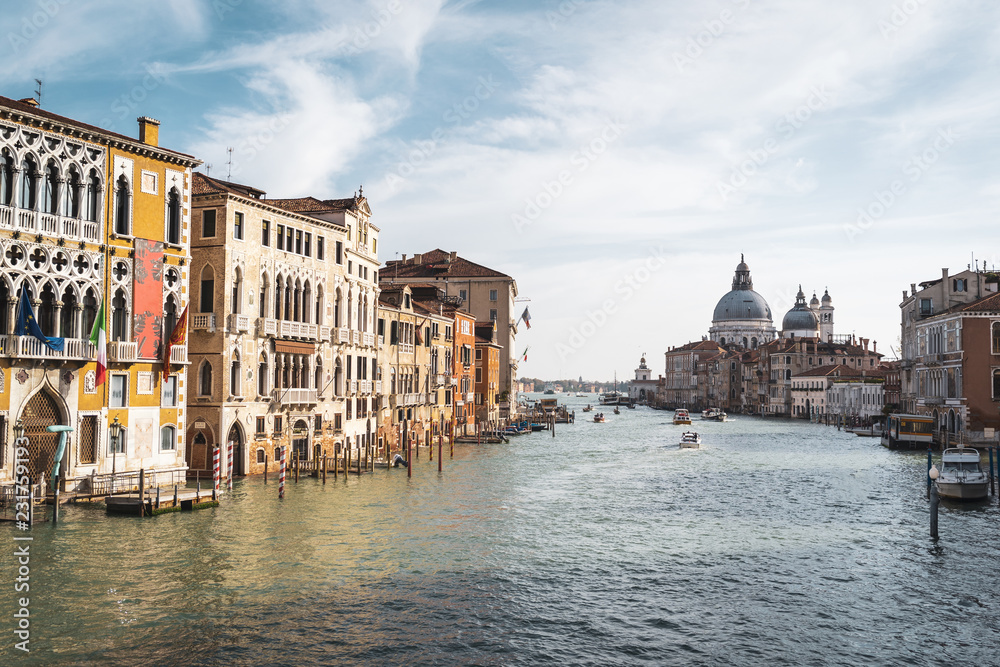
x=996 y=385
x=122 y=206
x=277 y=425
x=307 y=245
x=51 y=202
x=261 y=455
x=119 y=316
x=238 y=226
x=289 y=240
x=319 y=247
x=119 y=390
x=493 y=314
x=479 y=354
x=168 y=392
x=996 y=338
x=318 y=423
x=265 y=233
x=93 y=195
x=235 y=381
x=926 y=307
x=168 y=439
x=29 y=184
x=462 y=294
x=960 y=285
x=493 y=295
x=205 y=380
x=118 y=447
x=174 y=217
x=6 y=179
x=340 y=253
x=207 y=224
x=479 y=373
x=86 y=442
x=280 y=237
x=206 y=301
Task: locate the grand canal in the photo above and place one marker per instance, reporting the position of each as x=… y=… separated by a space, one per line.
x=777 y=543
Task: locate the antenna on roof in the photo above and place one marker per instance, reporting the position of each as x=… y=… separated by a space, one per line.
x=38 y=92
x=208 y=169
x=229 y=174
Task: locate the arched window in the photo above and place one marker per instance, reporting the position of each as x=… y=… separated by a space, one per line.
x=93 y=200
x=336 y=310
x=46 y=311
x=306 y=302
x=122 y=206
x=67 y=325
x=206 y=295
x=753 y=342
x=169 y=317
x=338 y=379
x=996 y=384
x=788 y=374
x=319 y=305
x=51 y=203
x=89 y=311
x=287 y=314
x=262 y=376
x=205 y=379
x=4 y=296
x=174 y=217
x=236 y=301
x=6 y=179
x=996 y=338
x=262 y=298
x=71 y=195
x=235 y=381
x=119 y=316
x=745 y=341
x=296 y=301
x=277 y=298
x=29 y=184
x=722 y=341
x=168 y=439
x=319 y=373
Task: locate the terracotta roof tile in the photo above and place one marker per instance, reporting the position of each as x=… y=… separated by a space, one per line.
x=438 y=263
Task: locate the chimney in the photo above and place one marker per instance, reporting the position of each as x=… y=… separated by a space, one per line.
x=944 y=282
x=418 y=258
x=404 y=258
x=149 y=130
x=30 y=101
x=874 y=347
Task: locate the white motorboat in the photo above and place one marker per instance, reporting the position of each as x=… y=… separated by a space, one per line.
x=961 y=477
x=690 y=440
x=714 y=414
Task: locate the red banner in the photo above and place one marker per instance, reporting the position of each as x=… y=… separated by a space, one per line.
x=147 y=298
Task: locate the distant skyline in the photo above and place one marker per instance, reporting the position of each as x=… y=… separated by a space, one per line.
x=614 y=158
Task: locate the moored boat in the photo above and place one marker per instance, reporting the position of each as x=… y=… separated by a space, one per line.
x=588 y=408
x=690 y=440
x=961 y=476
x=682 y=416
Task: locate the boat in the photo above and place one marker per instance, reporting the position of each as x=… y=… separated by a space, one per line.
x=538 y=427
x=580 y=394
x=908 y=432
x=682 y=416
x=588 y=408
x=710 y=414
x=617 y=411
x=690 y=440
x=961 y=476
x=599 y=418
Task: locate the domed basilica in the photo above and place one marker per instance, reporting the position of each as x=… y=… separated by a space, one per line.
x=743 y=318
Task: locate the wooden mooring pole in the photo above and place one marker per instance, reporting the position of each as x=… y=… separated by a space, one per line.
x=990 y=450
x=440 y=457
x=265 y=467
x=324 y=466
x=142 y=492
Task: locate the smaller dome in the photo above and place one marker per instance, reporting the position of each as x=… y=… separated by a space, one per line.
x=813 y=302
x=799 y=320
x=826 y=297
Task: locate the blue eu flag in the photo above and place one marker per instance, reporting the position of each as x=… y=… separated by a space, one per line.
x=27 y=325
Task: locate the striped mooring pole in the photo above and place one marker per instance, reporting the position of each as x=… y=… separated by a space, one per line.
x=281 y=475
x=229 y=466
x=215 y=471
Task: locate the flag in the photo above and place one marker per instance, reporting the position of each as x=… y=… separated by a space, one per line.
x=27 y=325
x=526 y=317
x=177 y=337
x=525 y=353
x=99 y=337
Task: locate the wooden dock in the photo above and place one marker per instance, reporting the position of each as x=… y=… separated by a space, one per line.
x=133 y=505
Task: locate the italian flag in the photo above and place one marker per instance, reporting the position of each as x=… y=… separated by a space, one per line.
x=99 y=337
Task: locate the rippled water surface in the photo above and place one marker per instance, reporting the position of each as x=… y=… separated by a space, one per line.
x=777 y=543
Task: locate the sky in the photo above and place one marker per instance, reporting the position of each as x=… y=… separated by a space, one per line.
x=614 y=157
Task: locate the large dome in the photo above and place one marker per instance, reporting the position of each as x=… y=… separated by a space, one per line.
x=741 y=304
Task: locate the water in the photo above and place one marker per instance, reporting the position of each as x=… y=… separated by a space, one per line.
x=776 y=543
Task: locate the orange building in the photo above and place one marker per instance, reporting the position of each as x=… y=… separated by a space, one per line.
x=487 y=375
x=463 y=376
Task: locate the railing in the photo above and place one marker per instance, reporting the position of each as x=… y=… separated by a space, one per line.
x=355 y=337
x=27 y=219
x=324 y=333
x=439 y=379
x=267 y=326
x=343 y=335
x=354 y=387
x=294 y=396
x=70 y=227
x=378 y=386
x=381 y=341
x=30 y=347
x=369 y=340
x=240 y=323
x=179 y=354
x=204 y=321
x=470 y=397
x=50 y=223
x=6 y=216
x=123 y=351
x=90 y=230
x=406 y=348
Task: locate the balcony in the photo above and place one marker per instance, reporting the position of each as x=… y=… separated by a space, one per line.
x=72 y=229
x=439 y=379
x=239 y=323
x=294 y=396
x=29 y=347
x=355 y=337
x=354 y=387
x=342 y=335
x=368 y=340
x=203 y=322
x=324 y=333
x=406 y=348
x=381 y=341
x=267 y=326
x=297 y=330
x=470 y=397
x=122 y=352
x=179 y=354
x=378 y=386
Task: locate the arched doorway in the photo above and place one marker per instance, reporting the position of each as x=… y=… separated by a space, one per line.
x=41 y=411
x=300 y=439
x=236 y=437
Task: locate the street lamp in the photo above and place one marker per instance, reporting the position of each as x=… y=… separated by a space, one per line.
x=116 y=432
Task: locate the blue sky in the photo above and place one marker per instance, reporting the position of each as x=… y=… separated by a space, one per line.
x=614 y=157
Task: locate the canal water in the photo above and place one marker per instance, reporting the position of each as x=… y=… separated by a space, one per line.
x=776 y=543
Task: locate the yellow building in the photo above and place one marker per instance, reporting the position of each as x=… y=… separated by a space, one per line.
x=90 y=217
